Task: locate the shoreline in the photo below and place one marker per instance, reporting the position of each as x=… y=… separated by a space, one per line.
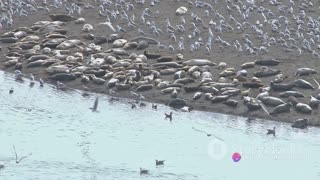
x=288 y=65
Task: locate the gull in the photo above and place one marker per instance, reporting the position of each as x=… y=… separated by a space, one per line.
x=120 y=29
x=18 y=75
x=173 y=37
x=141 y=32
x=41 y=82
x=23 y=157
x=181 y=45
x=109 y=25
x=171 y=48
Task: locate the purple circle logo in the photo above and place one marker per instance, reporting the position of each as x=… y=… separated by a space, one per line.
x=236 y=157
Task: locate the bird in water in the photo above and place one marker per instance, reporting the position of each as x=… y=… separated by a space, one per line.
x=159 y=162
x=11 y=91
x=154 y=106
x=144 y=171
x=272 y=131
x=133 y=105
x=18 y=75
x=41 y=82
x=168 y=116
x=95 y=105
x=31 y=80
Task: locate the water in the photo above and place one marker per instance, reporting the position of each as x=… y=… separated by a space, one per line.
x=68 y=141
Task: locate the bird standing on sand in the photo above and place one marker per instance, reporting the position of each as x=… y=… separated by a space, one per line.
x=272 y=131
x=168 y=116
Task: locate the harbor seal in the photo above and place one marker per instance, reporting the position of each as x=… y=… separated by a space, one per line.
x=271 y=101
x=248 y=65
x=281 y=108
x=266 y=73
x=303 y=84
x=286 y=94
x=267 y=62
x=218 y=99
x=293 y=100
x=62 y=17
x=231 y=103
x=142 y=45
x=305 y=72
x=130 y=45
x=314 y=103
x=87 y=28
x=145 y=87
x=281 y=87
x=199 y=62
x=300 y=123
x=150 y=55
x=63 y=77
x=304 y=108
x=177 y=103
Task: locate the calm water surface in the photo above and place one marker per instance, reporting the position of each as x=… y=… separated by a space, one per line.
x=68 y=141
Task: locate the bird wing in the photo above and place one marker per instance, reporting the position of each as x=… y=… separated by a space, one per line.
x=15 y=152
x=110 y=26
x=263 y=106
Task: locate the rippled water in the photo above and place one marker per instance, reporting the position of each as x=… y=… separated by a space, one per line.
x=68 y=141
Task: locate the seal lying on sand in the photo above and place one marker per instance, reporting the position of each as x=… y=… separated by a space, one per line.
x=61 y=17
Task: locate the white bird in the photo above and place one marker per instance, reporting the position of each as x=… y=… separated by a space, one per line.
x=109 y=25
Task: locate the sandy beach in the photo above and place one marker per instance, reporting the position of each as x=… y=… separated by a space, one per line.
x=289 y=61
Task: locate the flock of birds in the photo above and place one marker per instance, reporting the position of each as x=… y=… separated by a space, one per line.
x=256 y=26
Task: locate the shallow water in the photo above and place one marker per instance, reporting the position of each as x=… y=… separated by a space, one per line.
x=68 y=141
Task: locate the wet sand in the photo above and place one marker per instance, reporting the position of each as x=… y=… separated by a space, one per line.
x=290 y=62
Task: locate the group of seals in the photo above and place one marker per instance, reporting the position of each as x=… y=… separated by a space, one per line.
x=129 y=64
